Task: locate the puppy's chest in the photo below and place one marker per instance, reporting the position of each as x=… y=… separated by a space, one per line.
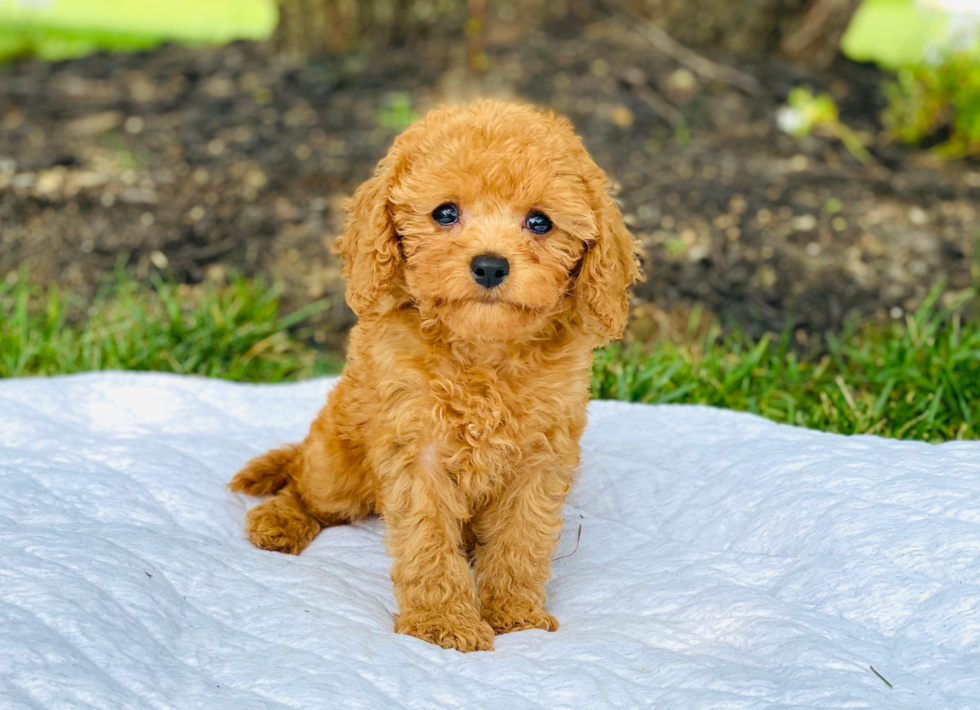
x=490 y=424
x=476 y=410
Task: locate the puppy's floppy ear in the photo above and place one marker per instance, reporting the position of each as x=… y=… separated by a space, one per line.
x=609 y=265
x=369 y=243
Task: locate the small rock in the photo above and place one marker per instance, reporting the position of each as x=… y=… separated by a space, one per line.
x=634 y=76
x=918 y=216
x=135 y=125
x=767 y=277
x=621 y=116
x=12 y=121
x=256 y=179
x=286 y=211
x=93 y=124
x=85 y=179
x=220 y=87
x=682 y=81
x=300 y=115
x=698 y=252
x=23 y=181
x=49 y=182
x=798 y=163
x=804 y=223
x=599 y=67
x=136 y=196
x=217 y=273
x=141 y=89
x=159 y=260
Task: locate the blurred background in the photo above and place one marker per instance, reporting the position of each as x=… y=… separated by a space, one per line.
x=786 y=164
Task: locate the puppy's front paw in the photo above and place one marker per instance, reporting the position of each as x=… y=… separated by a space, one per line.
x=463 y=633
x=505 y=617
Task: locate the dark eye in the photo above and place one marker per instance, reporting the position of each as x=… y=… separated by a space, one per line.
x=446 y=214
x=538 y=223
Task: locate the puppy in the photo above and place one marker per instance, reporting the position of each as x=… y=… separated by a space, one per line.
x=485 y=261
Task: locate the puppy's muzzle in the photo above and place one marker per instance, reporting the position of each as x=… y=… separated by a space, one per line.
x=489 y=270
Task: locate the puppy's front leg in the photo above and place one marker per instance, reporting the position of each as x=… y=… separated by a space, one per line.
x=518 y=534
x=435 y=591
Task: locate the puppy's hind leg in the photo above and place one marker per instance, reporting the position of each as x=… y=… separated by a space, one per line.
x=282 y=523
x=317 y=484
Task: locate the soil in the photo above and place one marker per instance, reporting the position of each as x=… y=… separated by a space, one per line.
x=201 y=162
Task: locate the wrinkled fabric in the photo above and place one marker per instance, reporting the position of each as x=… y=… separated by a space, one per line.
x=709 y=559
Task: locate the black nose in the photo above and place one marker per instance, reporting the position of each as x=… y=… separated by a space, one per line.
x=489 y=270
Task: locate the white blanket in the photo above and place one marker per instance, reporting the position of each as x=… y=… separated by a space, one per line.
x=724 y=562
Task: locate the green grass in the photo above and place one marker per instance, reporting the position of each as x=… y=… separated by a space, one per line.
x=62 y=29
x=930 y=99
x=233 y=331
x=915 y=379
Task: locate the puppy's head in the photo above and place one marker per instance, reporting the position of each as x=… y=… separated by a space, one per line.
x=492 y=220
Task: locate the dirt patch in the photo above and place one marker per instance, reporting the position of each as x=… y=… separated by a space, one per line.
x=202 y=161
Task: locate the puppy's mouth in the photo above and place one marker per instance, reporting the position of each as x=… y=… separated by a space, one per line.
x=492 y=300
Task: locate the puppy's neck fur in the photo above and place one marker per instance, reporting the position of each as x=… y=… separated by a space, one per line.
x=561 y=333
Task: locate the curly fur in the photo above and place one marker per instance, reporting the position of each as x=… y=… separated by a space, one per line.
x=459 y=414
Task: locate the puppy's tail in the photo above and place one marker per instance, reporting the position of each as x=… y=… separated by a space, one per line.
x=269 y=472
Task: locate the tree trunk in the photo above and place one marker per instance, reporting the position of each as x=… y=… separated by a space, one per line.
x=309 y=27
x=816 y=40
x=743 y=28
x=805 y=31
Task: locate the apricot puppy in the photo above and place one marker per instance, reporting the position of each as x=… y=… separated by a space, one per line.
x=485 y=261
